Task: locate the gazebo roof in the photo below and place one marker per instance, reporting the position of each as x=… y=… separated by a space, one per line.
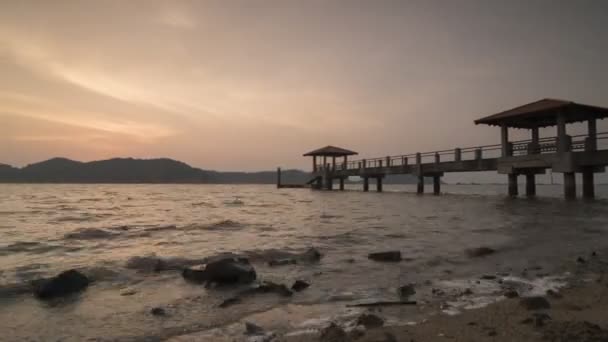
x=544 y=113
x=330 y=151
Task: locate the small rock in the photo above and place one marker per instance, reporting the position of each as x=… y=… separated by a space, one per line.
x=492 y=333
x=472 y=323
x=593 y=254
x=253 y=329
x=437 y=292
x=528 y=320
x=479 y=252
x=535 y=303
x=158 y=311
x=299 y=285
x=390 y=256
x=511 y=294
x=228 y=270
x=370 y=321
x=540 y=319
x=407 y=290
x=229 y=302
x=333 y=333
x=65 y=283
x=554 y=294
x=467 y=292
x=488 y=277
x=580 y=260
x=268 y=286
x=128 y=293
x=311 y=255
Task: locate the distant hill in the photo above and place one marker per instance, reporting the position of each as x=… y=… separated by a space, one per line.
x=129 y=170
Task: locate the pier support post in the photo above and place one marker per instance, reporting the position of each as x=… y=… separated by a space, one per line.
x=329 y=183
x=569 y=185
x=436 y=185
x=341 y=183
x=588 y=184
x=278 y=177
x=379 y=184
x=420 y=187
x=366 y=184
x=530 y=185
x=513 y=190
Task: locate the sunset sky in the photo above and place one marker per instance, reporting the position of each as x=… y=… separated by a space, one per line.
x=251 y=85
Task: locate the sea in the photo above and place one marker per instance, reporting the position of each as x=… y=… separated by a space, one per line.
x=114 y=233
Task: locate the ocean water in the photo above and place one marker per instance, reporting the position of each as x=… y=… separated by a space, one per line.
x=113 y=233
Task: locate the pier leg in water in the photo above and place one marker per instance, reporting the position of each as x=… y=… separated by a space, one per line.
x=341 y=184
x=513 y=190
x=436 y=185
x=588 y=184
x=365 y=183
x=420 y=189
x=379 y=184
x=530 y=185
x=329 y=183
x=569 y=185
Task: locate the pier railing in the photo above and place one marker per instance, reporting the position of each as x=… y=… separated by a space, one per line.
x=516 y=148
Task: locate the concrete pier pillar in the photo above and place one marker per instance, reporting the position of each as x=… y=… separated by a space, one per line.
x=319 y=183
x=504 y=139
x=569 y=185
x=457 y=154
x=365 y=183
x=530 y=185
x=436 y=185
x=379 y=184
x=278 y=177
x=588 y=184
x=329 y=183
x=341 y=184
x=420 y=187
x=513 y=190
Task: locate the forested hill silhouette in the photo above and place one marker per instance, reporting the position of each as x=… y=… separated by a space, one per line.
x=129 y=170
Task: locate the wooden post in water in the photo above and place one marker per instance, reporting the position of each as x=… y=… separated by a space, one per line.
x=588 y=183
x=278 y=177
x=379 y=183
x=513 y=190
x=420 y=187
x=530 y=185
x=366 y=183
x=569 y=185
x=436 y=184
x=341 y=183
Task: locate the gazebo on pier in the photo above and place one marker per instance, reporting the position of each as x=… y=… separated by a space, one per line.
x=546 y=113
x=326 y=168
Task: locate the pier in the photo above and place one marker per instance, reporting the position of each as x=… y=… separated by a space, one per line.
x=562 y=153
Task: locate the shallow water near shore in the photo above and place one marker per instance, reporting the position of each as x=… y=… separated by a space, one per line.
x=110 y=231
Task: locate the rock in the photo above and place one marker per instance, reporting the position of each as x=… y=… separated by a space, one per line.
x=511 y=294
x=492 y=333
x=280 y=289
x=593 y=254
x=158 y=311
x=65 y=283
x=229 y=270
x=282 y=262
x=528 y=320
x=370 y=321
x=390 y=256
x=554 y=294
x=488 y=277
x=407 y=290
x=535 y=303
x=574 y=331
x=229 y=302
x=311 y=255
x=467 y=292
x=540 y=319
x=580 y=260
x=479 y=252
x=253 y=329
x=128 y=293
x=299 y=285
x=145 y=263
x=333 y=333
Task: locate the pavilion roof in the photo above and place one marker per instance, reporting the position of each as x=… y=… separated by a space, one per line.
x=544 y=113
x=330 y=151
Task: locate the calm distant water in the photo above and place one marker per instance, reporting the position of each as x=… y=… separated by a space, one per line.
x=100 y=229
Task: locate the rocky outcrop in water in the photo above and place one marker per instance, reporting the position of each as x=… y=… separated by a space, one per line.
x=65 y=283
x=299 y=285
x=311 y=255
x=230 y=270
x=479 y=252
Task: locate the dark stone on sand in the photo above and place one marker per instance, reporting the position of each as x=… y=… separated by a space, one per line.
x=333 y=333
x=299 y=285
x=467 y=292
x=390 y=256
x=488 y=277
x=492 y=333
x=370 y=321
x=158 y=311
x=511 y=294
x=554 y=294
x=253 y=329
x=535 y=303
x=270 y=287
x=65 y=283
x=528 y=320
x=580 y=260
x=225 y=271
x=407 y=290
x=593 y=253
x=479 y=252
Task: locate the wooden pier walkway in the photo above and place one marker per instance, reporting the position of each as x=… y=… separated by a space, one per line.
x=563 y=153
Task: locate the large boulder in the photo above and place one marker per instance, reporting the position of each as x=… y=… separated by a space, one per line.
x=230 y=270
x=65 y=283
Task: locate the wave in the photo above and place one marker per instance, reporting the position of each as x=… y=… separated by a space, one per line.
x=153 y=263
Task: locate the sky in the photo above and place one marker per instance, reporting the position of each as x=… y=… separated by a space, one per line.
x=252 y=85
